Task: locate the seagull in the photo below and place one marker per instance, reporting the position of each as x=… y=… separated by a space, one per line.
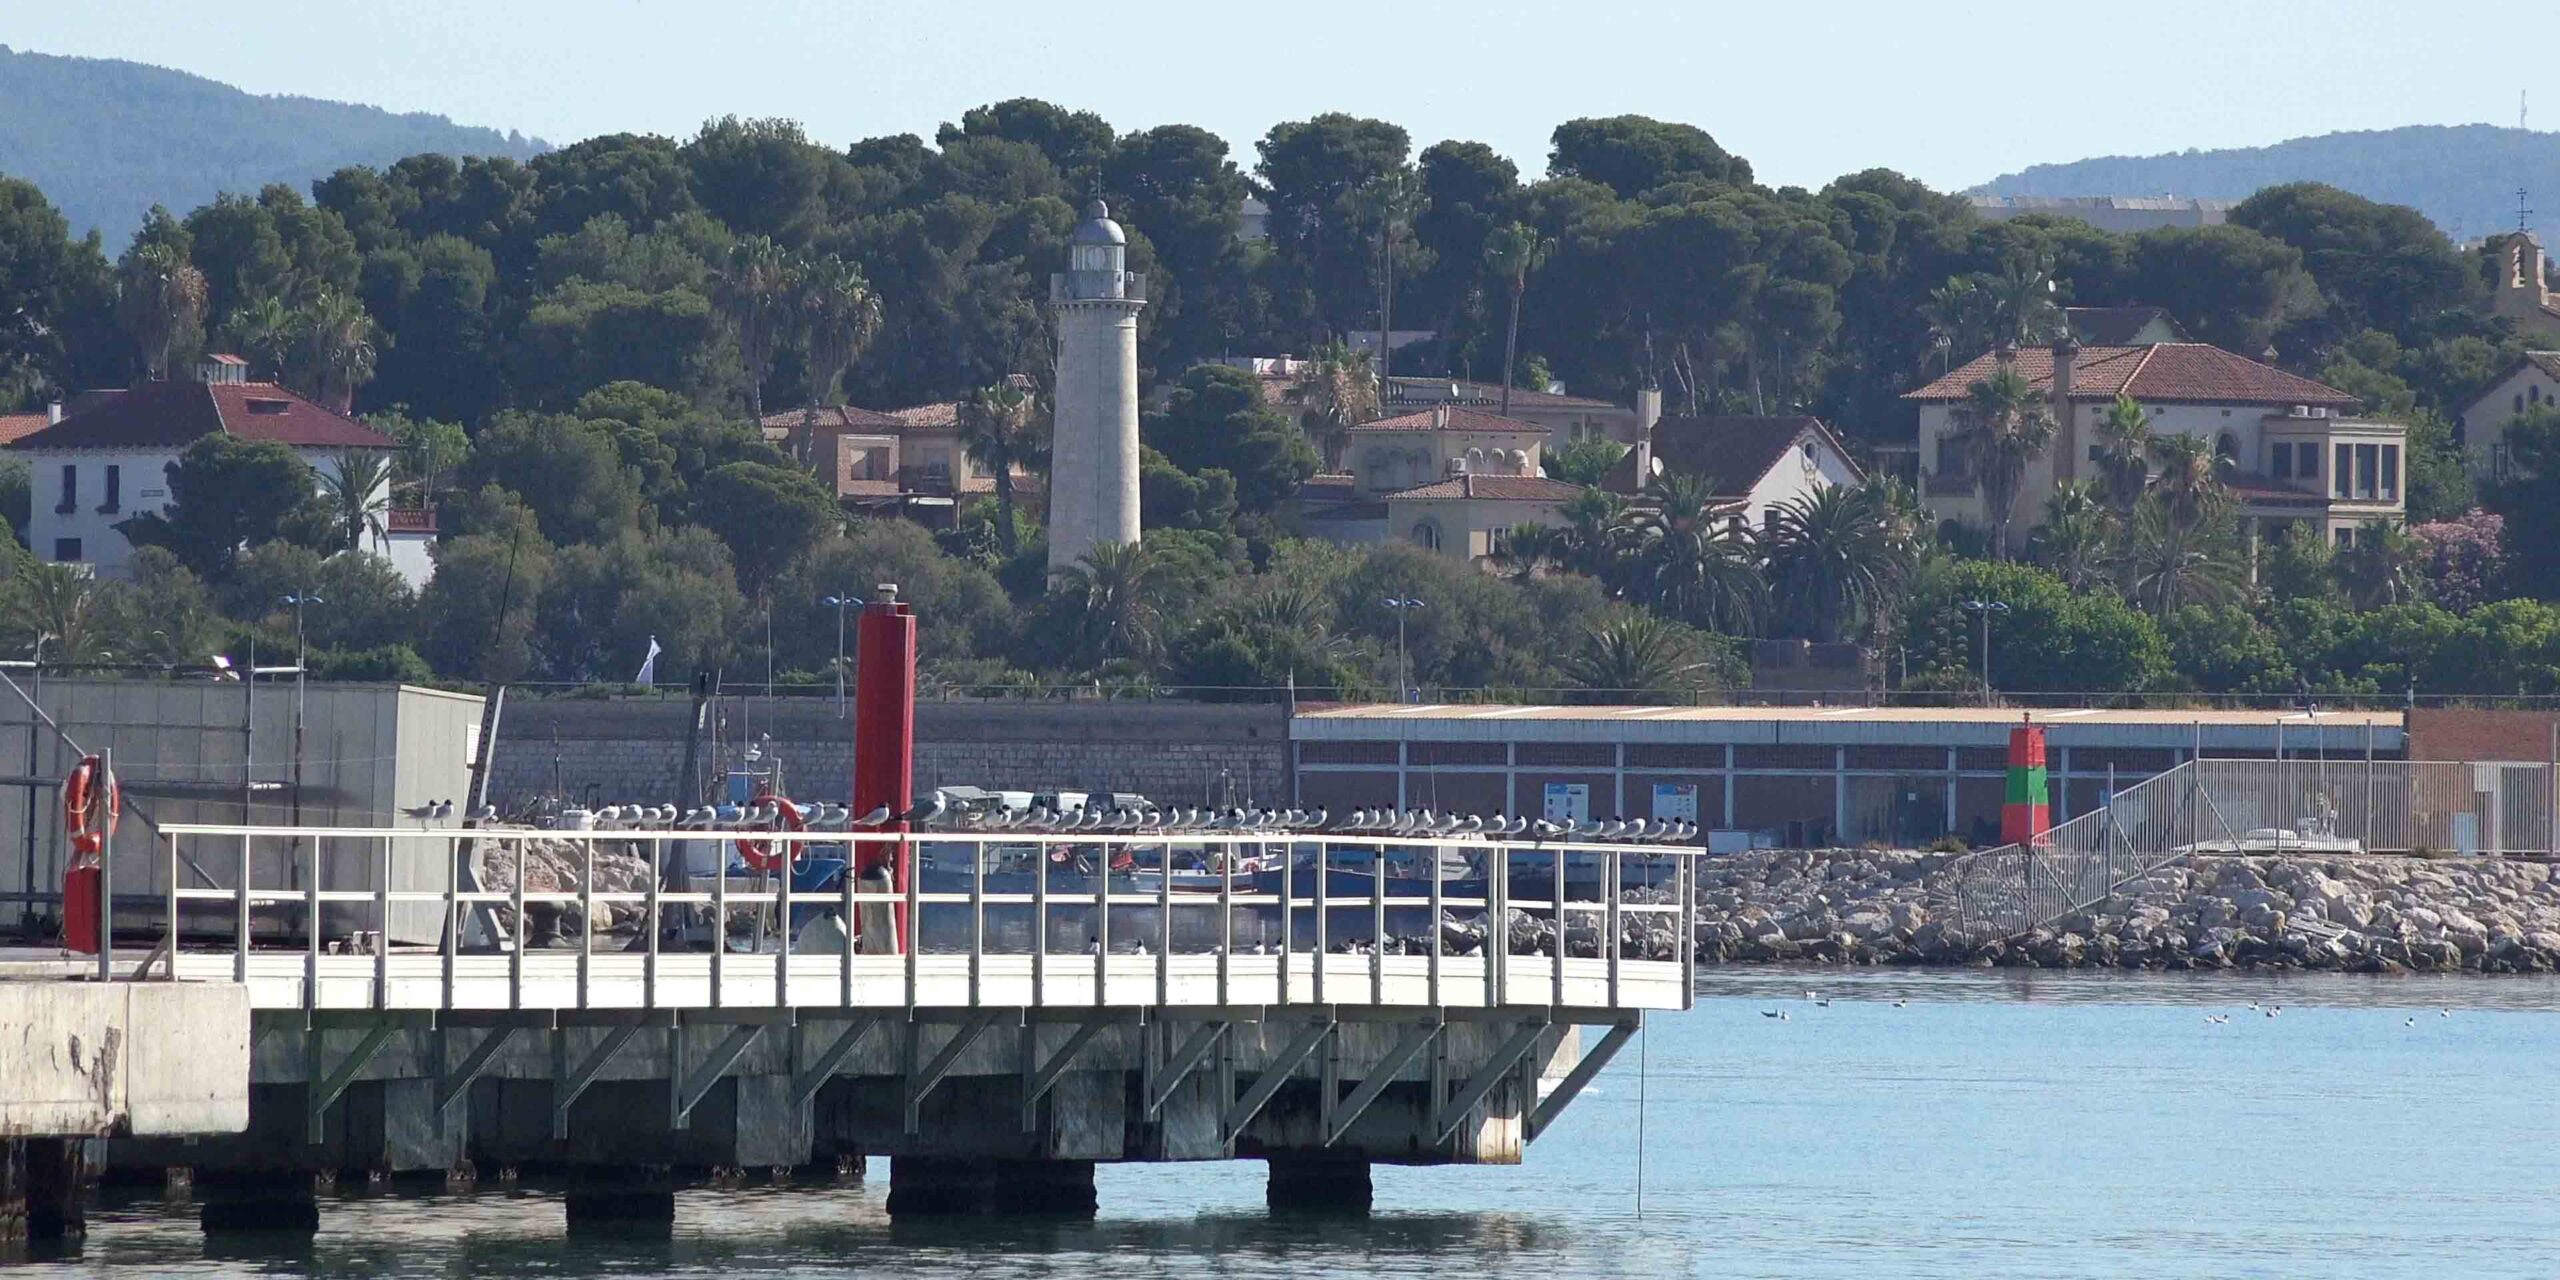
x=1899 y=1003
x=928 y=811
x=422 y=814
x=2444 y=1013
x=2217 y=1019
x=485 y=813
x=2408 y=1022
x=444 y=810
x=1779 y=1014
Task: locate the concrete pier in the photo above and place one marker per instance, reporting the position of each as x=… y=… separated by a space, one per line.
x=1318 y=1182
x=928 y=1185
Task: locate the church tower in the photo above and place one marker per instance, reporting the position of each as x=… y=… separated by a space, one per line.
x=1093 y=468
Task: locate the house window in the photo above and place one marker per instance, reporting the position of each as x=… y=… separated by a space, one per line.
x=2519 y=405
x=2533 y=394
x=2310 y=459
x=2280 y=460
x=2346 y=464
x=66 y=549
x=2391 y=473
x=1426 y=535
x=2346 y=538
x=115 y=491
x=2227 y=447
x=2368 y=469
x=70 y=490
x=2498 y=461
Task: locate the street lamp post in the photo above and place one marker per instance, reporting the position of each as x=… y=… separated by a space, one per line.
x=838 y=603
x=301 y=600
x=1986 y=608
x=1404 y=607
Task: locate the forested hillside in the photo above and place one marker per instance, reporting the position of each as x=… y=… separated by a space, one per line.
x=2464 y=178
x=108 y=139
x=574 y=349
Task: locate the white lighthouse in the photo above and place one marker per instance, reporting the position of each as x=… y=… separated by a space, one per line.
x=1093 y=466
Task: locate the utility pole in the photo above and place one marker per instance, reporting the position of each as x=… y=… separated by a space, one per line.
x=1985 y=608
x=1404 y=606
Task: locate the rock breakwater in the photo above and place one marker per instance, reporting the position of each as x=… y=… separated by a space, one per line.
x=2349 y=914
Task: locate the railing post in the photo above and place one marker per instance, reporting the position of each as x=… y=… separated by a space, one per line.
x=1164 y=939
x=1378 y=923
x=382 y=929
x=1557 y=991
x=515 y=948
x=240 y=916
x=910 y=857
x=1613 y=883
x=793 y=851
x=1497 y=932
x=451 y=942
x=657 y=928
x=1040 y=924
x=844 y=961
x=1226 y=918
x=310 y=922
x=719 y=925
x=1438 y=890
x=1289 y=908
x=170 y=970
x=586 y=919
x=1324 y=921
x=977 y=919
x=1101 y=946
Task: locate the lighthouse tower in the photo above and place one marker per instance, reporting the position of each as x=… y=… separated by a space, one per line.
x=1093 y=466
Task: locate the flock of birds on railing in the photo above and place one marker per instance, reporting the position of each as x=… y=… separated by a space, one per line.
x=935 y=815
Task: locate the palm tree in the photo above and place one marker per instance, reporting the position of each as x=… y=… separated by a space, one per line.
x=2124 y=454
x=1959 y=316
x=2003 y=425
x=839 y=315
x=1111 y=592
x=1388 y=203
x=999 y=429
x=337 y=353
x=2175 y=563
x=358 y=487
x=262 y=331
x=1525 y=548
x=2021 y=307
x=2190 y=482
x=59 y=603
x=1834 y=559
x=2381 y=567
x=1696 y=561
x=159 y=296
x=1512 y=251
x=2078 y=540
x=1599 y=531
x=1636 y=658
x=756 y=286
x=1340 y=390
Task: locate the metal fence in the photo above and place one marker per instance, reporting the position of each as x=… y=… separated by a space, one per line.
x=648 y=920
x=2254 y=808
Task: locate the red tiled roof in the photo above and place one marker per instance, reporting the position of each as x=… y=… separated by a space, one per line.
x=1451 y=418
x=940 y=416
x=2169 y=371
x=1329 y=486
x=832 y=417
x=171 y=415
x=2261 y=491
x=1732 y=453
x=1502 y=488
x=18 y=426
x=2547 y=361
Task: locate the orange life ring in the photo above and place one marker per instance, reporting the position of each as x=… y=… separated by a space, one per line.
x=761 y=854
x=92 y=804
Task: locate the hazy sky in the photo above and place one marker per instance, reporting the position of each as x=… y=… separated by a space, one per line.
x=1953 y=93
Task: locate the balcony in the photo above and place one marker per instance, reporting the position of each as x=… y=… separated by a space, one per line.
x=409 y=520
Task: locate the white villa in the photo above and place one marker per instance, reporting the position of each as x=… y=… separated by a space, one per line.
x=107 y=460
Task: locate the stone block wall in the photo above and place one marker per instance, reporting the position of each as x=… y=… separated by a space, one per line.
x=632 y=750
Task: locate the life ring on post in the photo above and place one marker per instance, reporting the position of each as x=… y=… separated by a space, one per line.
x=92 y=804
x=763 y=855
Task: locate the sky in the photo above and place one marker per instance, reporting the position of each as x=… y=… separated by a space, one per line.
x=1952 y=93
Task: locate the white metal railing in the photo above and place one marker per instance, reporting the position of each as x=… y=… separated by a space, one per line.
x=387 y=919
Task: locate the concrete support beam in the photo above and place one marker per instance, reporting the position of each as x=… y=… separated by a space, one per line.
x=1318 y=1182
x=278 y=1202
x=922 y=1186
x=621 y=1199
x=41 y=1185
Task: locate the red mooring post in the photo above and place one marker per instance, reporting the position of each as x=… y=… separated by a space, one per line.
x=884 y=734
x=2026 y=810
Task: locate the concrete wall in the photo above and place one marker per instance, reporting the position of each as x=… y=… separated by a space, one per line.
x=632 y=750
x=86 y=1058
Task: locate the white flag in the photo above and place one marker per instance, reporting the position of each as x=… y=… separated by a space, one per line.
x=648 y=665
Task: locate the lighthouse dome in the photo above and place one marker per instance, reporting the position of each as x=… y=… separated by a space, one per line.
x=1097 y=227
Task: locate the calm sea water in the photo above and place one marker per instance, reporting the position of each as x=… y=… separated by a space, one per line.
x=1991 y=1125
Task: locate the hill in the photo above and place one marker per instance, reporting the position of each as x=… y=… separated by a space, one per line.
x=107 y=139
x=2464 y=177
